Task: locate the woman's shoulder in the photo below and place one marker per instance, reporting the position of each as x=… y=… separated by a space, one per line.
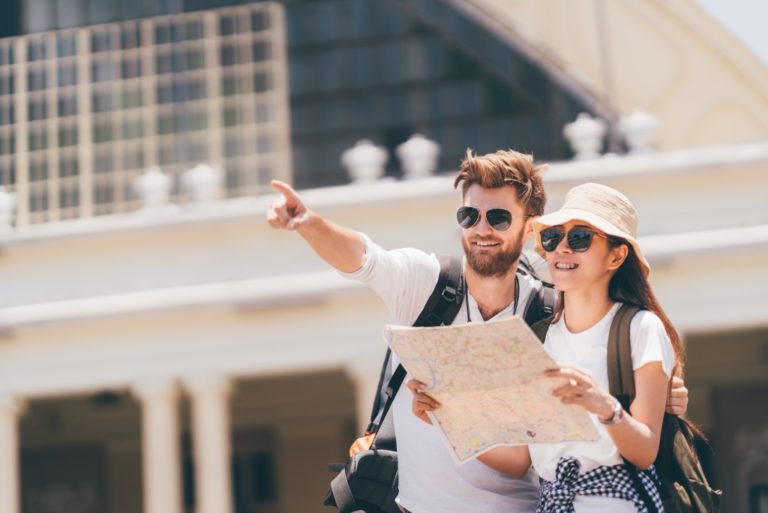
x=646 y=319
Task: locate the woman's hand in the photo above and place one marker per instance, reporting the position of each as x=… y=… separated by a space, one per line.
x=677 y=397
x=582 y=389
x=422 y=403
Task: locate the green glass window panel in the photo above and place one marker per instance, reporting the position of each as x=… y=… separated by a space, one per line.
x=101 y=101
x=38 y=170
x=132 y=129
x=37 y=139
x=68 y=136
x=197 y=120
x=102 y=131
x=67 y=75
x=66 y=44
x=131 y=98
x=104 y=193
x=261 y=82
x=260 y=51
x=259 y=21
x=195 y=59
x=230 y=86
x=165 y=124
x=38 y=201
x=232 y=116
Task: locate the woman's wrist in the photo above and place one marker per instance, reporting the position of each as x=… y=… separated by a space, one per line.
x=608 y=409
x=615 y=415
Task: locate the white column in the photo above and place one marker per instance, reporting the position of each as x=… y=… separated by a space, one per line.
x=160 y=445
x=211 y=439
x=10 y=409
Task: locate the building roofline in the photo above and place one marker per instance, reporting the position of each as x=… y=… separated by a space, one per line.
x=665 y=163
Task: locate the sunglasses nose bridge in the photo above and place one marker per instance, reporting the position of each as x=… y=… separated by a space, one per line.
x=482 y=224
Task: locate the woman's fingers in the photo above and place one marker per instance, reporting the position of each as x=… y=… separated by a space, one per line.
x=415 y=386
x=570 y=373
x=677 y=397
x=422 y=403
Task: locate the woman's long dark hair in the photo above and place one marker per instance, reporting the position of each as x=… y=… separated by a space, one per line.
x=630 y=285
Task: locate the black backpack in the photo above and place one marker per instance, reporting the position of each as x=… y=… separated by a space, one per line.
x=368 y=482
x=683 y=485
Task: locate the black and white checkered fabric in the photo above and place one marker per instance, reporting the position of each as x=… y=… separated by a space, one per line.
x=614 y=481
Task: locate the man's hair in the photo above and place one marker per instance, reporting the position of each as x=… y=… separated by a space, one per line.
x=495 y=170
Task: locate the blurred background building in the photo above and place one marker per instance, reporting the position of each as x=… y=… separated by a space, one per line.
x=163 y=350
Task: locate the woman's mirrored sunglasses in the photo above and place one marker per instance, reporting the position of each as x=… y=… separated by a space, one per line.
x=579 y=238
x=499 y=218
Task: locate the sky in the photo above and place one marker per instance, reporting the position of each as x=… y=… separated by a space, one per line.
x=745 y=19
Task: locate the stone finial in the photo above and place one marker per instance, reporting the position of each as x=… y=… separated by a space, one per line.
x=418 y=156
x=153 y=188
x=639 y=130
x=585 y=136
x=365 y=161
x=202 y=183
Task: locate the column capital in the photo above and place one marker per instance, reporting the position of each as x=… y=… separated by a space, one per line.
x=198 y=384
x=156 y=386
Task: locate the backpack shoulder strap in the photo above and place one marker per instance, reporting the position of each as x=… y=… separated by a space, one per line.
x=441 y=308
x=621 y=377
x=540 y=329
x=541 y=303
x=445 y=301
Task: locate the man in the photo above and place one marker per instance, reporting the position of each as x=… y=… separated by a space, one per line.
x=502 y=194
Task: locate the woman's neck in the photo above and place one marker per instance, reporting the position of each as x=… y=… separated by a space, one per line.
x=584 y=308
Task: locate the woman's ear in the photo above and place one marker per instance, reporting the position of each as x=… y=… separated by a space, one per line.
x=528 y=229
x=617 y=256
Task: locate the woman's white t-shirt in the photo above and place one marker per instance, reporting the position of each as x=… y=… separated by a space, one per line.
x=588 y=350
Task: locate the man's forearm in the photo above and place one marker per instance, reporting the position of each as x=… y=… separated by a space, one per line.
x=342 y=248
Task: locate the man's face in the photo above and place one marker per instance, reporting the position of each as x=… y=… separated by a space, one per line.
x=492 y=252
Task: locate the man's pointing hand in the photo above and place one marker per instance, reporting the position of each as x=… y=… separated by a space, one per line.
x=287 y=212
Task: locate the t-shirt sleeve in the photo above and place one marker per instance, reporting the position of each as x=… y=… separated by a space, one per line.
x=650 y=342
x=403 y=278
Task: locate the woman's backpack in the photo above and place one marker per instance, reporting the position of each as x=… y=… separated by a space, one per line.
x=684 y=486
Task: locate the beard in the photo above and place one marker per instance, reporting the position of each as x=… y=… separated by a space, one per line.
x=489 y=265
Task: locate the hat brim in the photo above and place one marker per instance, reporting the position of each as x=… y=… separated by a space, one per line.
x=566 y=215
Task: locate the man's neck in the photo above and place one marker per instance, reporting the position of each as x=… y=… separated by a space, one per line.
x=491 y=293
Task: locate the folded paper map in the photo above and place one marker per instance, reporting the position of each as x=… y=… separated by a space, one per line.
x=489 y=379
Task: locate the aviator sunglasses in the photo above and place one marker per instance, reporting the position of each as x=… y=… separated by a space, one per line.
x=499 y=218
x=579 y=238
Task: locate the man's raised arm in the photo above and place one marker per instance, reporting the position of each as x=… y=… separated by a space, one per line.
x=341 y=247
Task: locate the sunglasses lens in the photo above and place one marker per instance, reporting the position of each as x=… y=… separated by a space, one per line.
x=550 y=238
x=579 y=239
x=467 y=216
x=499 y=219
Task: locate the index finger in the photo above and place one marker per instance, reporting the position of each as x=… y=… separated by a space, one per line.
x=415 y=385
x=564 y=372
x=285 y=189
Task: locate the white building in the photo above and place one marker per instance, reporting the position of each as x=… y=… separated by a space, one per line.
x=152 y=359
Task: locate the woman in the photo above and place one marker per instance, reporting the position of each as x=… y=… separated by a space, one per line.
x=596 y=264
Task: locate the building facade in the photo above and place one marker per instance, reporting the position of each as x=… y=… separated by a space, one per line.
x=182 y=356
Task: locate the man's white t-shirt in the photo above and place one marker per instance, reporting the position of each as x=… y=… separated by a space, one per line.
x=430 y=480
x=588 y=350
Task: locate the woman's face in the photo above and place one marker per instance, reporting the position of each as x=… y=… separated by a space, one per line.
x=573 y=269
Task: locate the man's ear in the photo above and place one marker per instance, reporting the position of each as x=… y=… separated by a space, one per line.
x=618 y=256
